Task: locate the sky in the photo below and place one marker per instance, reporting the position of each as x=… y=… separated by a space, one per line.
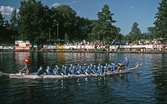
x=126 y=12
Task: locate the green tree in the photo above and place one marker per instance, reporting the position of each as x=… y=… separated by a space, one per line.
x=66 y=20
x=2 y=29
x=82 y=27
x=14 y=20
x=1 y=19
x=161 y=20
x=103 y=28
x=151 y=34
x=135 y=33
x=34 y=21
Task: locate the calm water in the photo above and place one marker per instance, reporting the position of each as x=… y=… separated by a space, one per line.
x=145 y=85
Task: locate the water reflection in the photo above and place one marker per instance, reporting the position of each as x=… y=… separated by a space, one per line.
x=147 y=85
x=160 y=77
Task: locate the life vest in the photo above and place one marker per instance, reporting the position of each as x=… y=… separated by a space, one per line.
x=26 y=61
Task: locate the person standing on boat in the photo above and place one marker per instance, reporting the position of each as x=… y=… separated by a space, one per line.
x=26 y=65
x=48 y=71
x=126 y=62
x=40 y=71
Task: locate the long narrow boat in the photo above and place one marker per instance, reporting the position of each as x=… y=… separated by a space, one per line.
x=34 y=76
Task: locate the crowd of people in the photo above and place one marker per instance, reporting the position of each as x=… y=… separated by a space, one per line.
x=83 y=69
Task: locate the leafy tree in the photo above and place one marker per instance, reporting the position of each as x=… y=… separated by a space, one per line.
x=1 y=28
x=135 y=33
x=151 y=34
x=14 y=19
x=34 y=21
x=66 y=20
x=161 y=20
x=1 y=19
x=103 y=28
x=82 y=27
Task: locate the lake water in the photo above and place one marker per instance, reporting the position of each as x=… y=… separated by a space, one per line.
x=145 y=85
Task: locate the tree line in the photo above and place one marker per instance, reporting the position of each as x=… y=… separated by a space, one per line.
x=40 y=24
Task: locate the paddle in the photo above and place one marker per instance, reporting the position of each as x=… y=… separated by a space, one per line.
x=104 y=72
x=42 y=75
x=61 y=73
x=85 y=72
x=78 y=72
x=99 y=71
x=138 y=65
x=69 y=74
x=54 y=72
x=21 y=70
x=94 y=72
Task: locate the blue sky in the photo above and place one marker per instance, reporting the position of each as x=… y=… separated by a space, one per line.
x=126 y=12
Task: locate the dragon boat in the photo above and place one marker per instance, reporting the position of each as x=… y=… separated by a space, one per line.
x=34 y=76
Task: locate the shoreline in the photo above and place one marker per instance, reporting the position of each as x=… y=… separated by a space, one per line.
x=88 y=51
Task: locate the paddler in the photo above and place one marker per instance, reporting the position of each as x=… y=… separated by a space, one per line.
x=55 y=70
x=78 y=68
x=84 y=67
x=64 y=70
x=94 y=68
x=40 y=71
x=88 y=70
x=48 y=71
x=113 y=67
x=101 y=69
x=71 y=69
x=106 y=67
